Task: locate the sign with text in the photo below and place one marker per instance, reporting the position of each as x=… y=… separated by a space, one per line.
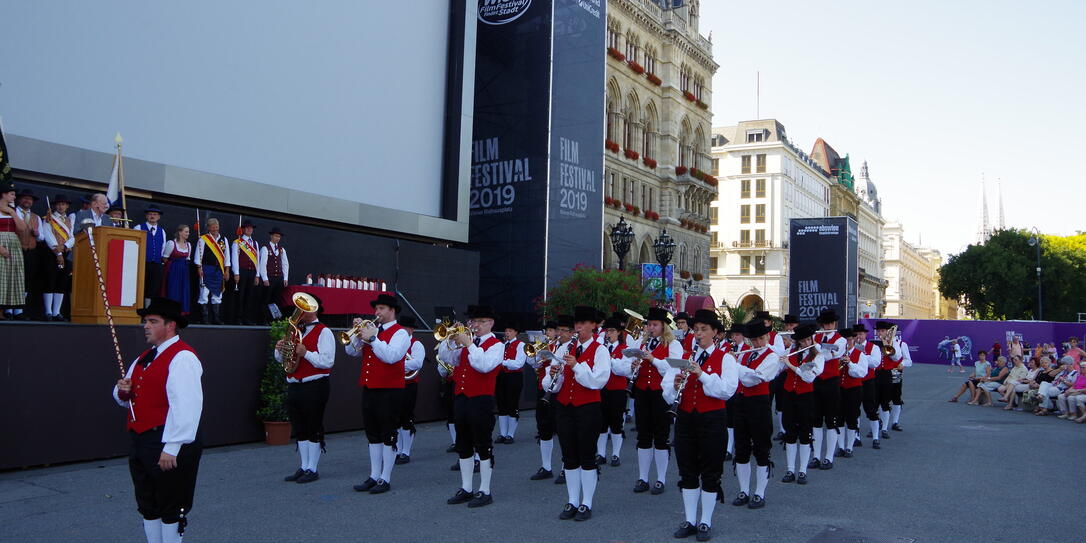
x=822 y=271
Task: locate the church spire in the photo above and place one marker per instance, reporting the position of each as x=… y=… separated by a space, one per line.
x=999 y=187
x=985 y=231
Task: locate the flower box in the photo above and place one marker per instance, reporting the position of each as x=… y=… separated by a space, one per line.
x=636 y=210
x=652 y=215
x=616 y=54
x=651 y=163
x=690 y=96
x=631 y=154
x=695 y=173
x=710 y=180
x=654 y=79
x=629 y=208
x=680 y=170
x=637 y=68
x=698 y=277
x=611 y=146
x=684 y=274
x=702 y=105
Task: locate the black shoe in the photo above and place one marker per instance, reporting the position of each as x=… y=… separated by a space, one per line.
x=308 y=477
x=657 y=488
x=461 y=496
x=509 y=440
x=561 y=479
x=480 y=500
x=896 y=427
x=728 y=456
x=381 y=487
x=885 y=434
x=615 y=462
x=757 y=502
x=847 y=453
x=801 y=478
x=455 y=466
x=583 y=513
x=641 y=486
x=779 y=436
x=294 y=476
x=600 y=460
x=814 y=464
x=685 y=530
x=366 y=485
x=869 y=434
x=452 y=448
x=857 y=443
x=789 y=477
x=875 y=444
x=705 y=532
x=568 y=512
x=476 y=470
x=826 y=464
x=741 y=499
x=837 y=451
x=402 y=459
x=501 y=439
x=542 y=474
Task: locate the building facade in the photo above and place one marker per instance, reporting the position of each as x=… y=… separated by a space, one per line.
x=872 y=298
x=910 y=275
x=659 y=91
x=765 y=181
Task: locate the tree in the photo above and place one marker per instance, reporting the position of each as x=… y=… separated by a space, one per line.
x=607 y=290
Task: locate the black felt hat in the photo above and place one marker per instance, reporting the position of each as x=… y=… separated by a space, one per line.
x=827 y=316
x=511 y=323
x=165 y=308
x=756 y=329
x=707 y=316
x=584 y=313
x=847 y=332
x=275 y=230
x=737 y=328
x=859 y=327
x=883 y=325
x=612 y=322
x=791 y=319
x=565 y=321
x=407 y=321
x=762 y=316
x=803 y=331
x=387 y=300
x=481 y=312
x=682 y=316
x=152 y=208
x=658 y=314
x=24 y=193
x=60 y=199
x=550 y=324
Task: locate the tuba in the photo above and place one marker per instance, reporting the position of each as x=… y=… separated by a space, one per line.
x=303 y=303
x=635 y=324
x=888 y=340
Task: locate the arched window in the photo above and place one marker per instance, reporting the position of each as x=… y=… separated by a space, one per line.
x=645 y=256
x=648 y=131
x=697 y=147
x=684 y=143
x=631 y=114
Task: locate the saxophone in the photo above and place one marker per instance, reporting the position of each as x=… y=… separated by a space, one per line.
x=303 y=303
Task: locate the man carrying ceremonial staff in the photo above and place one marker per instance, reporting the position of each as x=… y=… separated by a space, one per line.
x=383 y=348
x=212 y=260
x=163 y=399
x=244 y=257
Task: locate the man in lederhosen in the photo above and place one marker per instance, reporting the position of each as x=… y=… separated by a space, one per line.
x=753 y=415
x=383 y=348
x=735 y=344
x=612 y=397
x=164 y=400
x=307 y=392
x=476 y=360
x=510 y=382
x=853 y=371
x=544 y=410
x=652 y=420
x=273 y=268
x=576 y=375
x=868 y=399
x=827 y=390
x=416 y=355
x=244 y=258
x=884 y=386
x=57 y=234
x=212 y=261
x=712 y=378
x=156 y=239
x=789 y=322
x=796 y=399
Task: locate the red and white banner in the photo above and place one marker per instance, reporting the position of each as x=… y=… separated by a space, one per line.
x=122 y=272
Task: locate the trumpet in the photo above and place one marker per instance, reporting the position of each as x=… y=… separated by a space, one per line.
x=448 y=330
x=532 y=349
x=345 y=338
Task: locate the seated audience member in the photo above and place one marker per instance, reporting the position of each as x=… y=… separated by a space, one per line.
x=1074 y=396
x=1016 y=375
x=992 y=383
x=1056 y=380
x=981 y=369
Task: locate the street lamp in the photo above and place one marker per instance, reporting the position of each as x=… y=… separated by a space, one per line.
x=1035 y=241
x=664 y=247
x=622 y=236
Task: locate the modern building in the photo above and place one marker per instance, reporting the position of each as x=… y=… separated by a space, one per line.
x=659 y=91
x=765 y=181
x=911 y=275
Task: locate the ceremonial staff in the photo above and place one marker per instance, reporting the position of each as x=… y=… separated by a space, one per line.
x=109 y=313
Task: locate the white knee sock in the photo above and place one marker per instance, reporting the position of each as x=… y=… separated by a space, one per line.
x=486 y=471
x=895 y=413
x=850 y=438
x=47 y=303
x=588 y=486
x=616 y=444
x=690 y=504
x=512 y=426
x=708 y=503
x=408 y=440
x=58 y=300
x=546 y=448
x=661 y=464
x=303 y=454
x=841 y=433
x=831 y=443
x=780 y=420
x=399 y=440
x=884 y=419
x=376 y=458
x=790 y=451
x=874 y=429
x=761 y=475
x=601 y=445
x=573 y=486
x=170 y=533
x=388 y=461
x=804 y=457
x=153 y=530
x=731 y=440
x=644 y=461
x=742 y=472
x=816 y=433
x=452 y=432
x=314 y=455
x=467 y=469
x=503 y=425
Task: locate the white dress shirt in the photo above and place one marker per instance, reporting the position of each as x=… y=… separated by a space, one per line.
x=322 y=358
x=50 y=238
x=262 y=265
x=809 y=371
x=200 y=252
x=32 y=221
x=518 y=360
x=167 y=249
x=390 y=353
x=903 y=354
x=624 y=365
x=720 y=386
x=765 y=372
x=592 y=377
x=482 y=361
x=184 y=393
x=840 y=343
x=873 y=359
x=236 y=254
x=418 y=356
x=857 y=369
x=777 y=346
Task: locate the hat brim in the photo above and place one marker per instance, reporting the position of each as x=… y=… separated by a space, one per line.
x=181 y=320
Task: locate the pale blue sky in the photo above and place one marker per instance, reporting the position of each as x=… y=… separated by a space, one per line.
x=931 y=94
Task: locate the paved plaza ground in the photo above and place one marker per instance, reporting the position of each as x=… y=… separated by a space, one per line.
x=957 y=473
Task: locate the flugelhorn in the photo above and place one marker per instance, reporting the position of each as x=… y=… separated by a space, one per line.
x=347 y=337
x=303 y=303
x=532 y=349
x=448 y=330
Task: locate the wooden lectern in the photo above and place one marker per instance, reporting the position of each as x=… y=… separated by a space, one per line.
x=121 y=254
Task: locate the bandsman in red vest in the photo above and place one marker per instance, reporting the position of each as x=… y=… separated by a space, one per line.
x=653 y=423
x=852 y=389
x=613 y=396
x=683 y=332
x=781 y=343
x=383 y=348
x=510 y=382
x=580 y=369
x=896 y=382
x=244 y=259
x=544 y=411
x=827 y=390
x=446 y=393
x=796 y=399
x=307 y=392
x=735 y=344
x=163 y=398
x=476 y=360
x=712 y=378
x=887 y=392
x=416 y=356
x=869 y=400
x=753 y=416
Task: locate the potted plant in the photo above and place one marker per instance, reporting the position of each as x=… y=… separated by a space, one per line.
x=637 y=68
x=690 y=96
x=680 y=170
x=654 y=79
x=684 y=274
x=631 y=154
x=273 y=393
x=615 y=54
x=698 y=277
x=651 y=163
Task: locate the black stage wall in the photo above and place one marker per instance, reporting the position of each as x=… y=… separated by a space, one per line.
x=56 y=404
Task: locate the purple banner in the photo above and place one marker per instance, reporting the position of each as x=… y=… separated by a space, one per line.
x=929 y=340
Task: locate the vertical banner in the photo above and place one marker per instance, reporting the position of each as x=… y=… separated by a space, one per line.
x=822 y=272
x=655 y=282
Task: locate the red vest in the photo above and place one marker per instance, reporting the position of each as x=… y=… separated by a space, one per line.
x=848 y=381
x=616 y=382
x=275 y=262
x=244 y=262
x=573 y=392
x=832 y=368
x=511 y=354
x=415 y=379
x=793 y=382
x=868 y=347
x=688 y=342
x=888 y=364
x=748 y=360
x=647 y=376
x=149 y=389
x=694 y=399
x=377 y=374
x=305 y=369
x=469 y=381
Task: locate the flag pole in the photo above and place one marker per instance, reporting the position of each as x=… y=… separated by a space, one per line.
x=120 y=175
